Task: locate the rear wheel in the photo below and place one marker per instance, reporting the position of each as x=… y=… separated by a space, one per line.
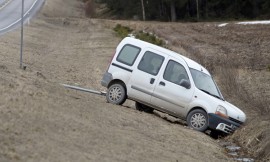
x=142 y=107
x=198 y=120
x=116 y=94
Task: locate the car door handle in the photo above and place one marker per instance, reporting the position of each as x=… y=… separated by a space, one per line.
x=152 y=80
x=162 y=83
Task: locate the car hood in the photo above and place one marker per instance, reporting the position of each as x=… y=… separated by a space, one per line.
x=235 y=112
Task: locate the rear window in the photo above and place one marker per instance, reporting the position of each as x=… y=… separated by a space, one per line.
x=128 y=54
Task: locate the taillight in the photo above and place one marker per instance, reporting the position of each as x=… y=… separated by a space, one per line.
x=110 y=62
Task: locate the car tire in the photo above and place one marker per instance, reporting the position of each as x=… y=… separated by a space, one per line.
x=198 y=120
x=116 y=94
x=142 y=107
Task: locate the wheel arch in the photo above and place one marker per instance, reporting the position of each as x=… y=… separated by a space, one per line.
x=198 y=104
x=120 y=77
x=115 y=81
x=196 y=108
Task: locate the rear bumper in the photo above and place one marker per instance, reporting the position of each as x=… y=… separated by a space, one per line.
x=107 y=78
x=219 y=123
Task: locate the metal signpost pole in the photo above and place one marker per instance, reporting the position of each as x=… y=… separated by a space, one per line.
x=21 y=54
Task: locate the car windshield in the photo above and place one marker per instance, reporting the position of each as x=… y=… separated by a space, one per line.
x=206 y=83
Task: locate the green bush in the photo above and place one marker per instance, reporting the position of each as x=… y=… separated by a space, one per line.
x=123 y=31
x=149 y=38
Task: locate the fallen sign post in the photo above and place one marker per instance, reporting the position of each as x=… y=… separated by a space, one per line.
x=85 y=90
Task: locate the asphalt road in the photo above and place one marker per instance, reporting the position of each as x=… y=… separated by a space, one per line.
x=10 y=13
x=2 y=2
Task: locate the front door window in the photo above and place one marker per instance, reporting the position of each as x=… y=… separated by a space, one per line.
x=175 y=72
x=151 y=63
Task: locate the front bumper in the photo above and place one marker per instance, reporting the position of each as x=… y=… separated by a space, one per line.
x=219 y=123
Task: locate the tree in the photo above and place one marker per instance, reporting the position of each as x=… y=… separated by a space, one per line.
x=143 y=10
x=173 y=11
x=198 y=12
x=205 y=8
x=171 y=4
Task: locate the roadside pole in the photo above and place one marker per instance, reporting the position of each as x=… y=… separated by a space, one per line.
x=21 y=53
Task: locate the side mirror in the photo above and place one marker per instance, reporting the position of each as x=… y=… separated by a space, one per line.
x=185 y=83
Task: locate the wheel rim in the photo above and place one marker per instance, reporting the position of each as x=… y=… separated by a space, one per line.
x=198 y=120
x=115 y=94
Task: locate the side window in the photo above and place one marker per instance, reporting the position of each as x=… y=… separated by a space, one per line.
x=175 y=72
x=151 y=63
x=128 y=54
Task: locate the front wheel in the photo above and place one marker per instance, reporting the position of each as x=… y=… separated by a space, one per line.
x=116 y=94
x=198 y=120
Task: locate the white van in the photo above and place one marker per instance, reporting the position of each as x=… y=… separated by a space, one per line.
x=157 y=78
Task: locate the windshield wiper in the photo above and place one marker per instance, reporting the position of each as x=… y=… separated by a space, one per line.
x=211 y=94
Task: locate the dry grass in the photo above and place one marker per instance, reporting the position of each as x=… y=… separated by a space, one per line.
x=238 y=57
x=255 y=138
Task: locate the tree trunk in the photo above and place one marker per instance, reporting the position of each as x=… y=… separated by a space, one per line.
x=255 y=11
x=198 y=12
x=143 y=10
x=173 y=11
x=206 y=9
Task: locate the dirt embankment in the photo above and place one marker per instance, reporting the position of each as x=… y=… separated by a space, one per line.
x=42 y=121
x=238 y=57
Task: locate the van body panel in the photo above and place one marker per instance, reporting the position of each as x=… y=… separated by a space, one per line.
x=120 y=75
x=207 y=102
x=177 y=99
x=143 y=81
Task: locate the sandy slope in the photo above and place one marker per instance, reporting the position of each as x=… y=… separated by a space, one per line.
x=42 y=121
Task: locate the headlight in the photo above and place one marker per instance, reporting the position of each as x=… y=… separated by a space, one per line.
x=221 y=111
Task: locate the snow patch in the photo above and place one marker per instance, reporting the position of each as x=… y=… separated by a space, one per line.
x=254 y=22
x=265 y=22
x=222 y=25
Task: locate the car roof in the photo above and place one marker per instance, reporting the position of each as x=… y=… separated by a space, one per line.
x=190 y=63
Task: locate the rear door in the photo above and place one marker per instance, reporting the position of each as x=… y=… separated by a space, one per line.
x=168 y=95
x=145 y=75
